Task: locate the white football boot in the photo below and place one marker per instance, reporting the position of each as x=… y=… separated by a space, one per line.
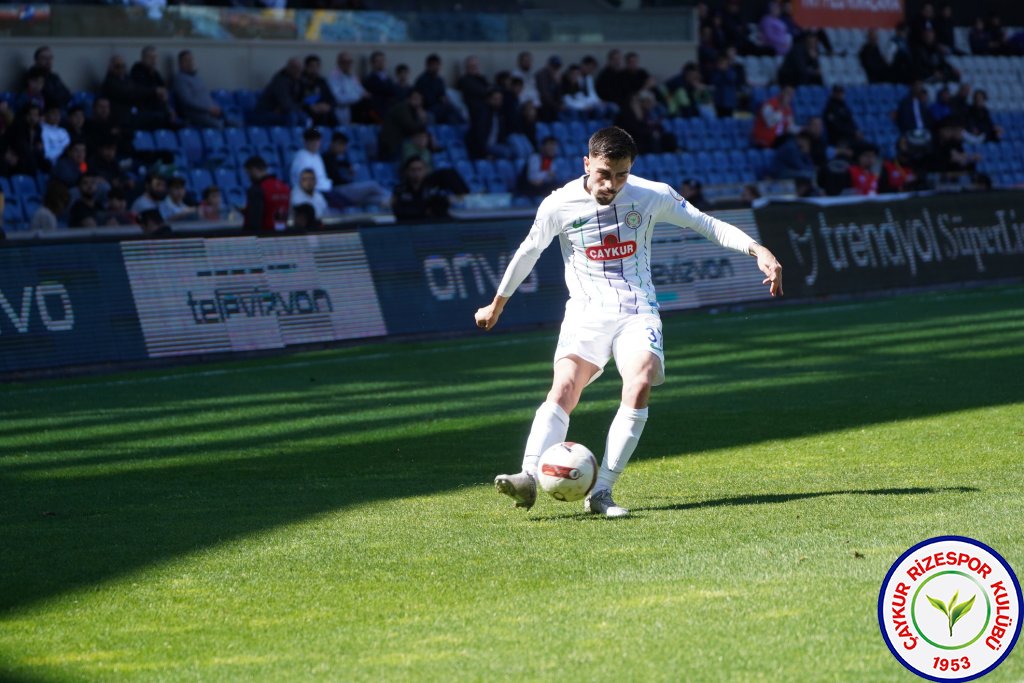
x=521 y=487
x=600 y=503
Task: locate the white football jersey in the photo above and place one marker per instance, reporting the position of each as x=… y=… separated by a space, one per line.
x=606 y=249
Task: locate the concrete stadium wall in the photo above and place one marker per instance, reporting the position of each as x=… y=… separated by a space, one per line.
x=82 y=62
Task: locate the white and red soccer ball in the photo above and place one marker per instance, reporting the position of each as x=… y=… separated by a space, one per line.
x=567 y=471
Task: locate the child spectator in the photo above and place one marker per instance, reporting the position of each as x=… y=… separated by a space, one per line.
x=174 y=208
x=863 y=175
x=539 y=178
x=55 y=138
x=267 y=199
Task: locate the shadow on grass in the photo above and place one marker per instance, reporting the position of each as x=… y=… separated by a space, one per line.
x=64 y=531
x=764 y=499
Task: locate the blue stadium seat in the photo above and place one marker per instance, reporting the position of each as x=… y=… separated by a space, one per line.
x=238 y=143
x=201 y=179
x=214 y=143
x=191 y=143
x=164 y=139
x=24 y=186
x=5 y=187
x=14 y=219
x=142 y=141
x=226 y=178
x=507 y=172
x=258 y=136
x=384 y=172
x=234 y=196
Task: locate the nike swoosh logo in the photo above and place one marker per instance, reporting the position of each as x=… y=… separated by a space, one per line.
x=580 y=222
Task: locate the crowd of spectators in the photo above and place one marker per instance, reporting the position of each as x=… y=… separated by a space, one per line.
x=96 y=178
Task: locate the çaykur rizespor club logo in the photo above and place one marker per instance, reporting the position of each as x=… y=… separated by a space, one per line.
x=949 y=609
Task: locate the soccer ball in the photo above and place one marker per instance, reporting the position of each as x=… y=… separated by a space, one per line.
x=567 y=471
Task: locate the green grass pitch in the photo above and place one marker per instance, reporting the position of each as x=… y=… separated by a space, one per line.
x=329 y=515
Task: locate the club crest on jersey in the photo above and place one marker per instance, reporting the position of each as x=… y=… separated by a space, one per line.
x=634 y=219
x=611 y=250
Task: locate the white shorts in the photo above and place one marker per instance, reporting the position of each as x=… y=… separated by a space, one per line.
x=597 y=336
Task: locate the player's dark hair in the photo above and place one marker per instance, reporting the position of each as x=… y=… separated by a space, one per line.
x=612 y=143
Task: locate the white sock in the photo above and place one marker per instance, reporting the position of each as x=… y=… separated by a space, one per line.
x=550 y=425
x=623 y=436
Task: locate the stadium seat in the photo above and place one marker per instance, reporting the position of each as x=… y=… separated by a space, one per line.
x=238 y=143
x=258 y=136
x=384 y=172
x=13 y=216
x=142 y=141
x=214 y=143
x=226 y=178
x=191 y=143
x=24 y=186
x=165 y=140
x=201 y=179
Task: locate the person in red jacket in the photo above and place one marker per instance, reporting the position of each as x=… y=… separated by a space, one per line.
x=898 y=175
x=775 y=118
x=863 y=175
x=267 y=199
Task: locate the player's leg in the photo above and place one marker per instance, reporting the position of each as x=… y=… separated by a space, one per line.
x=639 y=357
x=550 y=426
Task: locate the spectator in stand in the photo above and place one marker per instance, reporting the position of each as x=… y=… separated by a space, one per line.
x=432 y=87
x=473 y=85
x=304 y=218
x=153 y=224
x=980 y=127
x=72 y=165
x=509 y=93
x=979 y=39
x=838 y=117
x=864 y=174
x=212 y=208
x=550 y=89
x=692 y=190
x=266 y=200
x=75 y=123
x=834 y=177
x=574 y=97
x=773 y=30
x=280 y=103
x=415 y=198
x=944 y=25
x=10 y=162
x=524 y=70
x=306 y=192
x=103 y=162
x=352 y=102
x=913 y=113
x=32 y=93
x=635 y=78
x=875 y=66
x=642 y=119
x=402 y=120
x=930 y=63
x=525 y=123
x=54 y=90
x=707 y=53
x=154 y=108
x=588 y=71
x=487 y=136
x=685 y=95
x=382 y=88
x=941 y=108
x=727 y=81
x=793 y=158
x=611 y=81
x=774 y=118
x=538 y=178
x=192 y=97
x=116 y=212
x=923 y=21
x=55 y=138
x=949 y=155
x=801 y=66
x=317 y=99
x=341 y=171
x=901 y=68
x=24 y=138
x=402 y=81
x=153 y=194
x=815 y=130
x=131 y=105
x=174 y=208
x=56 y=200
x=898 y=174
x=309 y=158
x=85 y=210
x=101 y=126
x=734 y=28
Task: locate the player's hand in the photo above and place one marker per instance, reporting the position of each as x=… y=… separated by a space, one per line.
x=772 y=269
x=487 y=316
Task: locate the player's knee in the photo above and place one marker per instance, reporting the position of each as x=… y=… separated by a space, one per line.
x=565 y=394
x=636 y=391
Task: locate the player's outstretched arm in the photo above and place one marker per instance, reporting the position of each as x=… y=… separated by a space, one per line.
x=770 y=266
x=487 y=317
